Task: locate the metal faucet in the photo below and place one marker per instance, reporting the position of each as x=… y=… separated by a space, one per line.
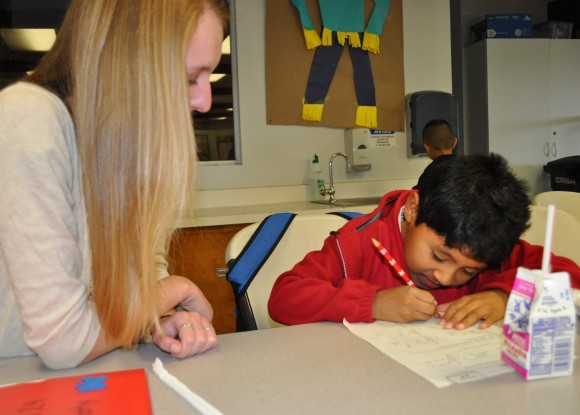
x=330 y=190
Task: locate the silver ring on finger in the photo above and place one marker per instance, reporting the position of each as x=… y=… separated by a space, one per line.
x=184 y=325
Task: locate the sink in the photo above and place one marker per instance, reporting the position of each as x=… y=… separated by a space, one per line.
x=356 y=201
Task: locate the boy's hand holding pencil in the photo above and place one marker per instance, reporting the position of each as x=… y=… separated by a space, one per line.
x=396 y=267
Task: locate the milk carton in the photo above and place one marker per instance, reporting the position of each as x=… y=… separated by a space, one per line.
x=539 y=325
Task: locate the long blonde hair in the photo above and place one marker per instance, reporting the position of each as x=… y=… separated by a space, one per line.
x=120 y=66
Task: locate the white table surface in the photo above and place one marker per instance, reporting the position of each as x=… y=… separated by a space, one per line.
x=315 y=369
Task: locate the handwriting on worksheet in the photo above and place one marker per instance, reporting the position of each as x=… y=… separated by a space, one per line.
x=440 y=355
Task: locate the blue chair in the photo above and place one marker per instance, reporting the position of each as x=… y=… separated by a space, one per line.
x=260 y=252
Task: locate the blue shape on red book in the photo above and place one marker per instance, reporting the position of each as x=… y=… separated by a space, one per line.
x=91 y=384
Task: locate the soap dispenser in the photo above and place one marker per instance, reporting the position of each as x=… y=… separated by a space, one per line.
x=357 y=144
x=316 y=182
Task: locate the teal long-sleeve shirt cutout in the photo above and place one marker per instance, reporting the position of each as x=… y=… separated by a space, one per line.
x=345 y=15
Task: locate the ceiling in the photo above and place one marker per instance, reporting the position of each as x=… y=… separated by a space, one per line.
x=48 y=14
x=24 y=14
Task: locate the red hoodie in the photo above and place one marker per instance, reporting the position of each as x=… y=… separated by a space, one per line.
x=340 y=281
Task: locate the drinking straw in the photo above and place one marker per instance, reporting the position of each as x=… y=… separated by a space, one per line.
x=548 y=240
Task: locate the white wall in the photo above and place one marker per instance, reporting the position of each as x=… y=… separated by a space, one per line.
x=275 y=159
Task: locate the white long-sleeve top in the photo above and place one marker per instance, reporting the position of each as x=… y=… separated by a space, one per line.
x=45 y=262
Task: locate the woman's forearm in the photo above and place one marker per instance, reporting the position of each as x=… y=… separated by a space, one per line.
x=101 y=347
x=177 y=291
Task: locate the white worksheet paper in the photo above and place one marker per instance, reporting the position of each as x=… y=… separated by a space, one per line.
x=442 y=356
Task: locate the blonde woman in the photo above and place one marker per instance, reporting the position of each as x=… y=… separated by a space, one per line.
x=97 y=163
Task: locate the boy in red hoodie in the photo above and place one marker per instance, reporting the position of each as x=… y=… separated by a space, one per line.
x=457 y=236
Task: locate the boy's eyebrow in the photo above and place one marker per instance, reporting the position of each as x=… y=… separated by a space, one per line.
x=445 y=249
x=447 y=252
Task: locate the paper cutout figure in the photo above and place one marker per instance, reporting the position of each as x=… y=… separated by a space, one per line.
x=342 y=21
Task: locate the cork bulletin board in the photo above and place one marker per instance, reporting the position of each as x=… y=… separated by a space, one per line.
x=288 y=64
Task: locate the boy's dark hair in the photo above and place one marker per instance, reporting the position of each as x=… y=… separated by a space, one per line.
x=477 y=204
x=438 y=134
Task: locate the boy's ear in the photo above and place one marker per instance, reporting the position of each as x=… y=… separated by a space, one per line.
x=454 y=143
x=429 y=151
x=411 y=207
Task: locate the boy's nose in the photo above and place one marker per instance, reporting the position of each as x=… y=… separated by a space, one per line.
x=444 y=276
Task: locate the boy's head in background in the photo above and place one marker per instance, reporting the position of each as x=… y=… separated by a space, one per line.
x=438 y=138
x=474 y=205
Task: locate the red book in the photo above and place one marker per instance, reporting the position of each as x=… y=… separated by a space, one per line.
x=123 y=392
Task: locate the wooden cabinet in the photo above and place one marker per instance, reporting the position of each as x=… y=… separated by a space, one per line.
x=199 y=255
x=521 y=100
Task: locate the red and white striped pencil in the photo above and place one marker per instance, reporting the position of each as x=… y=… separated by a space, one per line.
x=392 y=262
